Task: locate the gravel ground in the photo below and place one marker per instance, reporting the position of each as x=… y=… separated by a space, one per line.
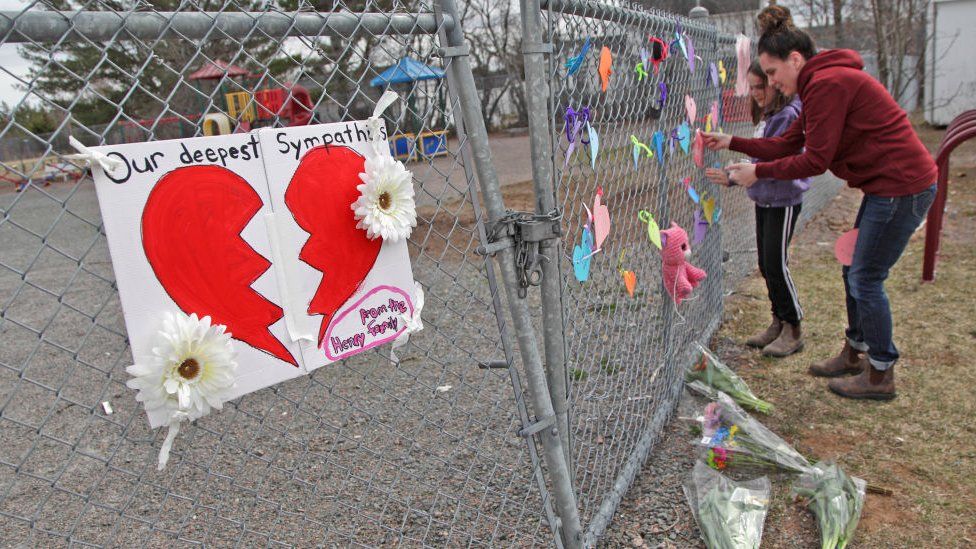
x=365 y=452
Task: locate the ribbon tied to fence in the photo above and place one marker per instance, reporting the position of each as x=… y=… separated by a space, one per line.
x=575 y=121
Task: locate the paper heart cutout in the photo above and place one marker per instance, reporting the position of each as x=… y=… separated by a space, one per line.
x=701 y=227
x=191 y=235
x=606 y=60
x=630 y=281
x=594 y=144
x=653 y=230
x=319 y=197
x=582 y=254
x=844 y=247
x=658 y=142
x=691 y=190
x=691 y=108
x=698 y=149
x=684 y=136
x=713 y=73
x=708 y=207
x=601 y=219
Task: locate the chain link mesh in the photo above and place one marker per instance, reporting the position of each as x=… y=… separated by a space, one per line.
x=426 y=452
x=625 y=354
x=422 y=453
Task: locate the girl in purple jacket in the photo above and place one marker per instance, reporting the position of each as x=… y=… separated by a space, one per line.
x=778 y=206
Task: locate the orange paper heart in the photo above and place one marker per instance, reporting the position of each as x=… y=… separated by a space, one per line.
x=630 y=281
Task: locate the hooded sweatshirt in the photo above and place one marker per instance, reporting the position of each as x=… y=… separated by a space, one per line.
x=775 y=193
x=851 y=125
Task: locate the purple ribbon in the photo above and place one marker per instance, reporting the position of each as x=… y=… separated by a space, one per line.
x=575 y=121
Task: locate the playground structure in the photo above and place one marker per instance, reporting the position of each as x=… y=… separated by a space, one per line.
x=406 y=73
x=291 y=104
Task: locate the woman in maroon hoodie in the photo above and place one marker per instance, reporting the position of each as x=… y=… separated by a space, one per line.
x=850 y=125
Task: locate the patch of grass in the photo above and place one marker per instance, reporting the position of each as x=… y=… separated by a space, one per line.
x=608 y=367
x=920 y=445
x=578 y=374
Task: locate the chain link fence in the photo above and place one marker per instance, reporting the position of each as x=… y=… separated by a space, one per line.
x=445 y=448
x=625 y=355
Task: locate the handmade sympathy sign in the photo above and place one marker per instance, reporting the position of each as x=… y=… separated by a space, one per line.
x=245 y=260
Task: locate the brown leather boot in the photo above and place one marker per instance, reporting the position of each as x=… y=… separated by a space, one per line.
x=849 y=361
x=869 y=384
x=766 y=336
x=790 y=341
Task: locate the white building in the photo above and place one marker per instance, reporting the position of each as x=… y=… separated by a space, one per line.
x=950 y=79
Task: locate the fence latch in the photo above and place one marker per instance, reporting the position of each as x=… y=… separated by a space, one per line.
x=538 y=425
x=523 y=231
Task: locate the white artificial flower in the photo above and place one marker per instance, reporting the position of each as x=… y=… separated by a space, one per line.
x=191 y=370
x=385 y=207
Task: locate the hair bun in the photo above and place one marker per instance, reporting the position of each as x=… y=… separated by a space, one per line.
x=774 y=19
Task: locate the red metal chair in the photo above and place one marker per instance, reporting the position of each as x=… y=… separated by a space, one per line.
x=962 y=129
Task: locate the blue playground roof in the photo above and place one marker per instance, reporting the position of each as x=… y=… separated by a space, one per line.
x=406 y=70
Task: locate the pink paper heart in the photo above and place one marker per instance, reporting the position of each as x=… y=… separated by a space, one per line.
x=601 y=219
x=844 y=247
x=698 y=149
x=692 y=109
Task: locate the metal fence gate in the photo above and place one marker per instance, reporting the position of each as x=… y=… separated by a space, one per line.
x=444 y=449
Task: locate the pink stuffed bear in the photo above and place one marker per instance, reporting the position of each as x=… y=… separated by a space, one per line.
x=680 y=277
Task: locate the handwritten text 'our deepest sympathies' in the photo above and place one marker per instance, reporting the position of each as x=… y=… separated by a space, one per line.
x=149 y=159
x=375 y=321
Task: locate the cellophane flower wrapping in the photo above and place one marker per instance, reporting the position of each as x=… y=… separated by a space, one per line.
x=835 y=498
x=733 y=439
x=709 y=375
x=729 y=514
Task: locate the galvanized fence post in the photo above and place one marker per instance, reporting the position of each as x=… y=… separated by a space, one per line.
x=553 y=451
x=553 y=328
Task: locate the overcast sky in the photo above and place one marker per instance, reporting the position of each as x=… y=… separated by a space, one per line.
x=10 y=62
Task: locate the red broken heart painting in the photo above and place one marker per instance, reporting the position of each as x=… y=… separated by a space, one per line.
x=191 y=234
x=319 y=197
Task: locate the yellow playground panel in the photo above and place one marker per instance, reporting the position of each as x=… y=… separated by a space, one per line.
x=240 y=106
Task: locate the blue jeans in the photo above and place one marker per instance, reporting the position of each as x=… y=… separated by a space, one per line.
x=885 y=225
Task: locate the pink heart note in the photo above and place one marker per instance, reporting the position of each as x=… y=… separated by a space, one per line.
x=601 y=219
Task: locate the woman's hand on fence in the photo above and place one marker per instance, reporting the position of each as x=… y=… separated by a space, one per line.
x=743 y=174
x=718 y=176
x=717 y=141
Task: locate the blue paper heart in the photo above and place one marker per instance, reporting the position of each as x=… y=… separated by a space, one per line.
x=582 y=254
x=573 y=63
x=684 y=136
x=658 y=141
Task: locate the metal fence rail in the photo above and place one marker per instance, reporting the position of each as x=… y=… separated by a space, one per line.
x=445 y=448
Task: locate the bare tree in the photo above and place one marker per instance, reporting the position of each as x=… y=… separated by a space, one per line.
x=838 y=9
x=493 y=31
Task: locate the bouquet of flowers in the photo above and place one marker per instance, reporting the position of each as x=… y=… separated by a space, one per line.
x=734 y=439
x=835 y=498
x=709 y=375
x=729 y=514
